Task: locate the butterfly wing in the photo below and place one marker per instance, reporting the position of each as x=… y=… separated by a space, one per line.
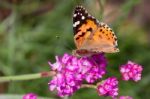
x=90 y=35
x=83 y=26
x=102 y=40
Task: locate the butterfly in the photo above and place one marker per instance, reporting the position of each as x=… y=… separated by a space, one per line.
x=92 y=36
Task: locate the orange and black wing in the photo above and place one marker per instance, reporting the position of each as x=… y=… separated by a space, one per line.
x=92 y=36
x=83 y=26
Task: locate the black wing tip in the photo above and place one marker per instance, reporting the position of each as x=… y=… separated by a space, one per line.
x=80 y=16
x=80 y=10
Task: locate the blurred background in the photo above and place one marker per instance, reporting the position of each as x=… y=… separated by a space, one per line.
x=34 y=31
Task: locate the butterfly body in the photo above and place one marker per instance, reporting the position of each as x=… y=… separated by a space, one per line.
x=92 y=36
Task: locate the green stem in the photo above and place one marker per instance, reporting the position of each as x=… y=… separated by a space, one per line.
x=88 y=86
x=27 y=76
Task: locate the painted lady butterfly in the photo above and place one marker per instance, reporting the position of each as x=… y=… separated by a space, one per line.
x=92 y=36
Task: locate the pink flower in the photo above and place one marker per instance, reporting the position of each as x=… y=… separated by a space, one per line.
x=125 y=97
x=30 y=96
x=71 y=71
x=98 y=69
x=131 y=71
x=108 y=87
x=67 y=80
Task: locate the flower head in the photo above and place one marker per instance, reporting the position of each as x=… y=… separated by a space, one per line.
x=30 y=96
x=108 y=87
x=131 y=71
x=71 y=71
x=125 y=97
x=98 y=68
x=67 y=80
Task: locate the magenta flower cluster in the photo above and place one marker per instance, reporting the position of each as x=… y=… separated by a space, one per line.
x=131 y=71
x=30 y=96
x=108 y=87
x=125 y=97
x=71 y=71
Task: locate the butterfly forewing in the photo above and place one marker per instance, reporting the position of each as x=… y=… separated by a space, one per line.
x=83 y=25
x=81 y=17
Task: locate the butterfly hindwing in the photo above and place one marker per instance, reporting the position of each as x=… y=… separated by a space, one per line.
x=102 y=40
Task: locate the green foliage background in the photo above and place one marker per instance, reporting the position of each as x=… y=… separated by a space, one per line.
x=28 y=40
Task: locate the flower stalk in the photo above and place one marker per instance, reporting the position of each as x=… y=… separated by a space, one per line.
x=88 y=86
x=27 y=76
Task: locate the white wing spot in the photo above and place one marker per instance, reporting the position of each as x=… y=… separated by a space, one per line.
x=76 y=23
x=83 y=17
x=74 y=15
